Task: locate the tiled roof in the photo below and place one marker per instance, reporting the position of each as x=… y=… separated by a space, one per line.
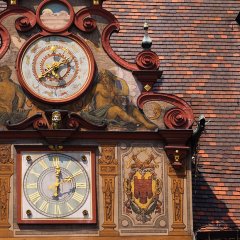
x=198 y=42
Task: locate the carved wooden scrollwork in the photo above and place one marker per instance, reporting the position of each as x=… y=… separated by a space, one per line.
x=5 y=40
x=24 y=23
x=179 y=117
x=85 y=22
x=44 y=121
x=176 y=118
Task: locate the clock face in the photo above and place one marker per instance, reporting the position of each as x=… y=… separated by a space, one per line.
x=56 y=186
x=56 y=69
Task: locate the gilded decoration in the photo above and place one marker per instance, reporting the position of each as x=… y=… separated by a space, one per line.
x=108 y=170
x=143 y=181
x=6 y=170
x=177 y=190
x=108 y=191
x=108 y=155
x=5 y=154
x=4 y=196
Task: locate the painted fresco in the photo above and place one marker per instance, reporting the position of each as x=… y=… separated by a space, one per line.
x=12 y=98
x=55 y=15
x=110 y=104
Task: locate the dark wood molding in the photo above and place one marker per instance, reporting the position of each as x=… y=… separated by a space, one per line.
x=43 y=121
x=147 y=78
x=168 y=136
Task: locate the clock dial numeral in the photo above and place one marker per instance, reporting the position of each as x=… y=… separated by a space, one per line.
x=35 y=173
x=78 y=173
x=81 y=185
x=43 y=164
x=57 y=209
x=34 y=197
x=78 y=197
x=44 y=206
x=70 y=208
x=32 y=185
x=68 y=165
x=56 y=161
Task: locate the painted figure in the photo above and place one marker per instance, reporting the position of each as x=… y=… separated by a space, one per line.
x=12 y=98
x=110 y=104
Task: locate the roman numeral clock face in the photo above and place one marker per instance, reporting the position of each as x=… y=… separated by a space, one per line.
x=57 y=188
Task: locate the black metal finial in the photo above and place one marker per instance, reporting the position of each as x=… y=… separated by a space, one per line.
x=147 y=41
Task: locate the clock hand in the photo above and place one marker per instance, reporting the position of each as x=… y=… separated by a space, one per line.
x=54 y=67
x=55 y=186
x=48 y=71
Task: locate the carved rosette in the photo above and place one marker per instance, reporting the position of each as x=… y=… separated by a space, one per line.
x=147 y=60
x=6 y=171
x=108 y=168
x=176 y=118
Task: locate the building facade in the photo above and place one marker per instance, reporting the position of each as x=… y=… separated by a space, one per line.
x=119 y=119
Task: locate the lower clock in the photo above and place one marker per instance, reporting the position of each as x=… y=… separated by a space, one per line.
x=56 y=187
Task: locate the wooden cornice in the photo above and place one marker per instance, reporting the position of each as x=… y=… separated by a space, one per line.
x=168 y=136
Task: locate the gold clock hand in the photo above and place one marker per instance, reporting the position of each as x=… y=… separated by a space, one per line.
x=56 y=185
x=54 y=67
x=49 y=70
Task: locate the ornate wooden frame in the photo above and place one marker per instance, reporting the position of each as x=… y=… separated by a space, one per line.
x=62 y=149
x=85 y=47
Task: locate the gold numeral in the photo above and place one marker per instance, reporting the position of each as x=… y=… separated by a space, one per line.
x=35 y=197
x=44 y=206
x=56 y=161
x=43 y=164
x=32 y=185
x=36 y=174
x=78 y=197
x=69 y=163
x=70 y=208
x=77 y=173
x=57 y=209
x=81 y=185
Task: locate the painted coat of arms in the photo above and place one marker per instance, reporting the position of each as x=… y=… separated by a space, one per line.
x=143 y=185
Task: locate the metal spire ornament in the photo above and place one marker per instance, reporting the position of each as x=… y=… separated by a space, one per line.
x=147 y=41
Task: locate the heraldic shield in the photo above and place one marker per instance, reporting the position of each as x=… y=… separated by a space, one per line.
x=144 y=186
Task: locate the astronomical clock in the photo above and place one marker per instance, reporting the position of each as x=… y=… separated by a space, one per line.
x=89 y=144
